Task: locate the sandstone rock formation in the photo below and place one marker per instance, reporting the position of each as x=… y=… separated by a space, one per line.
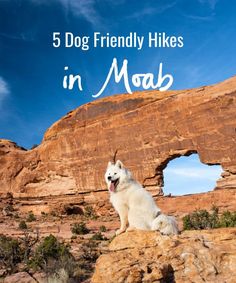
x=193 y=256
x=146 y=129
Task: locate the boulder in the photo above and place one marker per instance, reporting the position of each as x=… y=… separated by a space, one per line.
x=193 y=256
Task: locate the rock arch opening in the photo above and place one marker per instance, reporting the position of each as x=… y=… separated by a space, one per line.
x=188 y=175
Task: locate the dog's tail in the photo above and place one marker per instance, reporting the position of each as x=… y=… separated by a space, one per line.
x=167 y=225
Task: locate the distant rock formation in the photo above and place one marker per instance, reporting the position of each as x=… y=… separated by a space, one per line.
x=193 y=256
x=146 y=129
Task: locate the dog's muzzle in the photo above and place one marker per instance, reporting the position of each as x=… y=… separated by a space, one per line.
x=113 y=185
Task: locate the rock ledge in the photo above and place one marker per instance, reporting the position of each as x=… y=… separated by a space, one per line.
x=193 y=256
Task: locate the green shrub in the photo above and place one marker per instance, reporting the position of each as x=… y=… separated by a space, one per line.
x=202 y=219
x=22 y=225
x=8 y=210
x=228 y=219
x=90 y=253
x=102 y=228
x=50 y=247
x=89 y=212
x=53 y=213
x=9 y=207
x=197 y=220
x=9 y=195
x=10 y=253
x=16 y=216
x=51 y=255
x=31 y=217
x=98 y=237
x=79 y=228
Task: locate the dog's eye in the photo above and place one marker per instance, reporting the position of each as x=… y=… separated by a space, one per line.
x=115 y=173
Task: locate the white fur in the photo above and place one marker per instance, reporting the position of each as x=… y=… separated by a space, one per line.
x=134 y=204
x=167 y=225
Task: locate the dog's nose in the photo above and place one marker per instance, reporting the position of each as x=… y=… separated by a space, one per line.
x=109 y=178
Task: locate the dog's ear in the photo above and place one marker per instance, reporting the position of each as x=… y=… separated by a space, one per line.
x=109 y=164
x=119 y=164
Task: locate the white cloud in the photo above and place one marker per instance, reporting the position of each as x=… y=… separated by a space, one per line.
x=4 y=90
x=151 y=11
x=208 y=173
x=25 y=36
x=87 y=9
x=211 y=3
x=81 y=8
x=200 y=18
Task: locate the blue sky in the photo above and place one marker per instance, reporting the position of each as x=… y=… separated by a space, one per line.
x=32 y=70
x=186 y=175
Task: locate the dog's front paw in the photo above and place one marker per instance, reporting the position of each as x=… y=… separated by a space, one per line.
x=119 y=231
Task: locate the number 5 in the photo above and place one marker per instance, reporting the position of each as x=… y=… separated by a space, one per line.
x=56 y=39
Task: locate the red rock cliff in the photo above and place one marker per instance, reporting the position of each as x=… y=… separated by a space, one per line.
x=146 y=129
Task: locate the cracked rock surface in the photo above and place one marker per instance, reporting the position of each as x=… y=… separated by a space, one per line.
x=193 y=256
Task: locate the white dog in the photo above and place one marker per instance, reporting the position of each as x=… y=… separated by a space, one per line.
x=134 y=204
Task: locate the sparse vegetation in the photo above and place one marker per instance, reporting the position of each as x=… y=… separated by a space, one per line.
x=89 y=212
x=60 y=276
x=28 y=241
x=98 y=237
x=51 y=255
x=10 y=253
x=102 y=228
x=9 y=195
x=22 y=225
x=228 y=219
x=9 y=207
x=16 y=216
x=31 y=217
x=53 y=213
x=90 y=253
x=8 y=210
x=79 y=228
x=85 y=264
x=55 y=259
x=202 y=219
